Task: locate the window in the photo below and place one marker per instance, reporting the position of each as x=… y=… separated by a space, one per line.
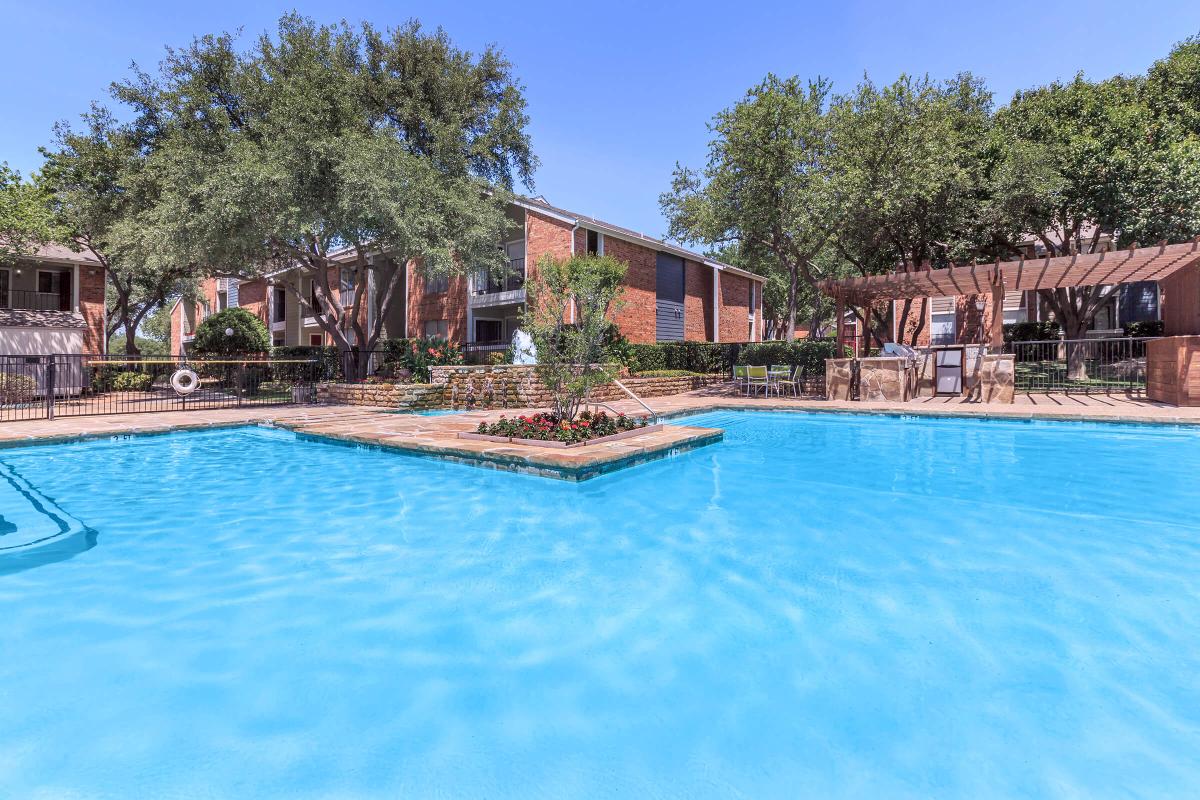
x=346 y=285
x=54 y=290
x=277 y=340
x=437 y=284
x=3 y=288
x=316 y=339
x=753 y=290
x=436 y=329
x=489 y=330
x=279 y=304
x=222 y=301
x=942 y=320
x=595 y=243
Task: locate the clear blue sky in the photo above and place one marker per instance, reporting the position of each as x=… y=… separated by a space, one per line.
x=618 y=92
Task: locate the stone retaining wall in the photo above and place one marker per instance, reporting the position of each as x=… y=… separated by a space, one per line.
x=990 y=378
x=518 y=386
x=404 y=396
x=494 y=386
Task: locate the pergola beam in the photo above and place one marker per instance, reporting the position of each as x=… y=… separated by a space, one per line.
x=1074 y=271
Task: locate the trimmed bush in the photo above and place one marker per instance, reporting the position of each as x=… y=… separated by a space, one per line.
x=327 y=357
x=130 y=381
x=249 y=334
x=1031 y=331
x=16 y=388
x=1149 y=327
x=808 y=354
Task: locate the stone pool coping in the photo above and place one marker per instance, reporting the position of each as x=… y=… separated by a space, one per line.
x=571 y=464
x=436 y=436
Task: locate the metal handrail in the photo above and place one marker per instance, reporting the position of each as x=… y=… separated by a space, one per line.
x=640 y=401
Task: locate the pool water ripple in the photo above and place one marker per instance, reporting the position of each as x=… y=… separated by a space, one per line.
x=827 y=606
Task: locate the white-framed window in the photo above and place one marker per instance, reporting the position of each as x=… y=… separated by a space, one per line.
x=595 y=243
x=436 y=329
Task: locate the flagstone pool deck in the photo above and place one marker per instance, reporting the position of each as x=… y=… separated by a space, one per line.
x=437 y=436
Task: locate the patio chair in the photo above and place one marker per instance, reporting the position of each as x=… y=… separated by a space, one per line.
x=786 y=381
x=757 y=378
x=777 y=375
x=739 y=376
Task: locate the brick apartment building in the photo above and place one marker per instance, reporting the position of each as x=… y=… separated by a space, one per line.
x=52 y=302
x=671 y=294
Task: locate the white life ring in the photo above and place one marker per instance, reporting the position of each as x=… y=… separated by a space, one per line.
x=185 y=381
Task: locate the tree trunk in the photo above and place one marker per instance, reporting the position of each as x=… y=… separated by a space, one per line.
x=793 y=277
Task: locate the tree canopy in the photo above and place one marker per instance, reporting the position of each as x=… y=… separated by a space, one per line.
x=801 y=182
x=25 y=218
x=323 y=146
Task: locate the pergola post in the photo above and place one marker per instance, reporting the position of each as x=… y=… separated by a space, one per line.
x=996 y=336
x=839 y=317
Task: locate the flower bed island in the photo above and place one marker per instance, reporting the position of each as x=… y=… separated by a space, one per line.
x=547 y=430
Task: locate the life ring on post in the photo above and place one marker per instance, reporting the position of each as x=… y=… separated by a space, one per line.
x=184 y=381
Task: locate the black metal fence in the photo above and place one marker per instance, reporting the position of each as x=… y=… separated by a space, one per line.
x=1080 y=365
x=50 y=386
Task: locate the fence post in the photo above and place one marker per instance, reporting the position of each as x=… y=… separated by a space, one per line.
x=50 y=387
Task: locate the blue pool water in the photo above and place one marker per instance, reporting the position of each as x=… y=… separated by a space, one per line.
x=819 y=606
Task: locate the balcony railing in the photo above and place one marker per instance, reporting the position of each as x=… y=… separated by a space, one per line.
x=511 y=279
x=22 y=300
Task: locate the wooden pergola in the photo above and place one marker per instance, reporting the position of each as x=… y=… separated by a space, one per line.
x=1095 y=269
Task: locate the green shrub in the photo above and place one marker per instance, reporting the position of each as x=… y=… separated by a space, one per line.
x=703 y=357
x=249 y=334
x=417 y=356
x=16 y=388
x=1149 y=327
x=327 y=368
x=1031 y=331
x=808 y=354
x=130 y=381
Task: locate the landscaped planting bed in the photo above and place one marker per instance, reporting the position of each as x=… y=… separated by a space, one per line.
x=546 y=430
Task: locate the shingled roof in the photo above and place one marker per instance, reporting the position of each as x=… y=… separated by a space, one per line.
x=20 y=318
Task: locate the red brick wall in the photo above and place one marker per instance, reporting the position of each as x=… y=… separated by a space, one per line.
x=697 y=302
x=735 y=299
x=252 y=296
x=545 y=236
x=1173 y=370
x=450 y=305
x=176 y=316
x=918 y=314
x=636 y=317
x=91 y=306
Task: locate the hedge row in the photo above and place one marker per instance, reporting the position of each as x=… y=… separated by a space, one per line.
x=718 y=357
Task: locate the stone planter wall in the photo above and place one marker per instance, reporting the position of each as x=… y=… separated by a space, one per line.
x=518 y=386
x=403 y=396
x=488 y=386
x=990 y=378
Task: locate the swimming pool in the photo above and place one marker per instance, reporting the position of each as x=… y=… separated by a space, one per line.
x=821 y=605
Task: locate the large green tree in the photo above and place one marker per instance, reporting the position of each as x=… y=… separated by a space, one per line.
x=320 y=147
x=102 y=198
x=25 y=218
x=767 y=186
x=909 y=159
x=1110 y=169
